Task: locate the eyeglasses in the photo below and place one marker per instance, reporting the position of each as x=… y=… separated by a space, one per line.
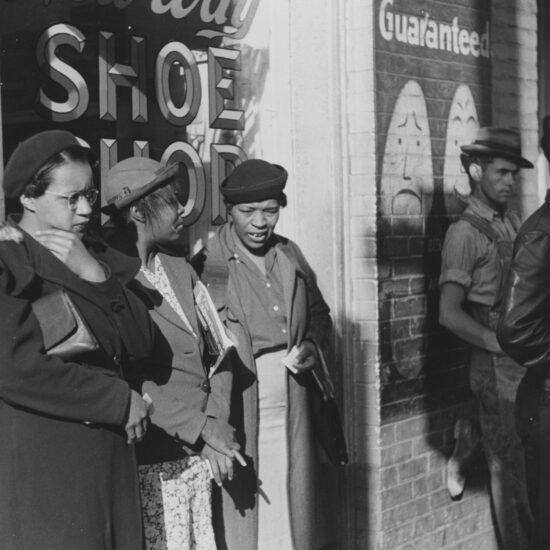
x=74 y=198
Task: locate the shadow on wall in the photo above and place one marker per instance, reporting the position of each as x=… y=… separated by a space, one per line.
x=423 y=184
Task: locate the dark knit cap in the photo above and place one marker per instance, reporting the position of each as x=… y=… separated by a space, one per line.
x=30 y=155
x=254 y=180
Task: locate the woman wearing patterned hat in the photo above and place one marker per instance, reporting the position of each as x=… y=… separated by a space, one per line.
x=67 y=467
x=271 y=303
x=190 y=406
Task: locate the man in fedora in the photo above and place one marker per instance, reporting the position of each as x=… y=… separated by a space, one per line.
x=476 y=254
x=269 y=299
x=524 y=333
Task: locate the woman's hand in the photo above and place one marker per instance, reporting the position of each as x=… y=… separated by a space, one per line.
x=220 y=435
x=220 y=465
x=68 y=247
x=138 y=418
x=306 y=358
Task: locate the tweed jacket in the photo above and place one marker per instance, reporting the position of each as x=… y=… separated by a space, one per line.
x=174 y=377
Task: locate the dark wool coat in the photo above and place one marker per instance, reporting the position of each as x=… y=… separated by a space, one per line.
x=66 y=484
x=235 y=510
x=182 y=393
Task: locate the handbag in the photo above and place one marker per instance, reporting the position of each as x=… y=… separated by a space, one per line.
x=64 y=331
x=327 y=422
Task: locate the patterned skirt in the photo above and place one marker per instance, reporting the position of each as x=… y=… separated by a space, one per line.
x=176 y=505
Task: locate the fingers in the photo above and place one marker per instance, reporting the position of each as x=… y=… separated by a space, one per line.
x=131 y=435
x=305 y=365
x=57 y=242
x=221 y=468
x=228 y=468
x=136 y=433
x=215 y=472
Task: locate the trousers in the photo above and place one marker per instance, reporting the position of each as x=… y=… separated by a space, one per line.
x=494 y=379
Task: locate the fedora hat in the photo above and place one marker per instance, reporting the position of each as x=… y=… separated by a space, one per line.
x=135 y=177
x=253 y=180
x=498 y=142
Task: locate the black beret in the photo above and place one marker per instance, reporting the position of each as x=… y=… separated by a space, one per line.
x=30 y=155
x=254 y=180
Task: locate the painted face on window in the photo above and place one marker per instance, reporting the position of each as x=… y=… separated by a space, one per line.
x=254 y=223
x=407 y=175
x=55 y=210
x=462 y=129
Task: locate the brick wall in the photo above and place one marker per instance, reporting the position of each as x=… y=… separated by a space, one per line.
x=423 y=369
x=424 y=385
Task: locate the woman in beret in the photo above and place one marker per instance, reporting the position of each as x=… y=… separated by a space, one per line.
x=67 y=467
x=269 y=299
x=190 y=406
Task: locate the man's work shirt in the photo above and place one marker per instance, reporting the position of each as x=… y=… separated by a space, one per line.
x=262 y=300
x=470 y=258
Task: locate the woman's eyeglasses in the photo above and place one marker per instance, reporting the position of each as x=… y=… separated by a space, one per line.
x=74 y=198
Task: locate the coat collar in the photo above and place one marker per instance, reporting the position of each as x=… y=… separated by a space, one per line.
x=47 y=266
x=225 y=246
x=181 y=281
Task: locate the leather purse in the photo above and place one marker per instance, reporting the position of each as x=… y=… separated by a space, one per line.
x=64 y=331
x=327 y=422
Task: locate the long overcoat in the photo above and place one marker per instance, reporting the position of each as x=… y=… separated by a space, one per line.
x=68 y=478
x=235 y=509
x=175 y=378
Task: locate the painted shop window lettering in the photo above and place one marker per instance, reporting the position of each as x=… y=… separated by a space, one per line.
x=426 y=32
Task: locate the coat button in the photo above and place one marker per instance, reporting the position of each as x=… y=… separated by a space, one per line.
x=116 y=305
x=116 y=359
x=205 y=386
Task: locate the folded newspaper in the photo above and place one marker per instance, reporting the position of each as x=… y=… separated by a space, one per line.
x=217 y=341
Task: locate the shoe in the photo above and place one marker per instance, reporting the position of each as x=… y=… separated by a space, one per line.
x=467 y=442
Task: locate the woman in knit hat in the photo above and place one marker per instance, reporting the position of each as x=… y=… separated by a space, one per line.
x=67 y=418
x=190 y=403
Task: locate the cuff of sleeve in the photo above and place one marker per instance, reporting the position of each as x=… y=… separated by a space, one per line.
x=455 y=276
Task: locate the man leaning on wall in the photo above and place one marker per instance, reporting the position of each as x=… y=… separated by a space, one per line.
x=476 y=252
x=524 y=333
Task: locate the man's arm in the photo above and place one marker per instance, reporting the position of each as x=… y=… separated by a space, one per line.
x=524 y=325
x=453 y=317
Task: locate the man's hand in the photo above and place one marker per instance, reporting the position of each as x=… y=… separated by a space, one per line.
x=138 y=418
x=221 y=466
x=306 y=358
x=68 y=247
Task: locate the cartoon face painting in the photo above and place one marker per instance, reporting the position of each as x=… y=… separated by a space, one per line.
x=462 y=128
x=407 y=173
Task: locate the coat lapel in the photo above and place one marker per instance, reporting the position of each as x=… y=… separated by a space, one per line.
x=50 y=268
x=288 y=278
x=178 y=272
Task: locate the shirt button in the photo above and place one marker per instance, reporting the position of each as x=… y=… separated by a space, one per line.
x=268 y=285
x=283 y=330
x=276 y=308
x=116 y=359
